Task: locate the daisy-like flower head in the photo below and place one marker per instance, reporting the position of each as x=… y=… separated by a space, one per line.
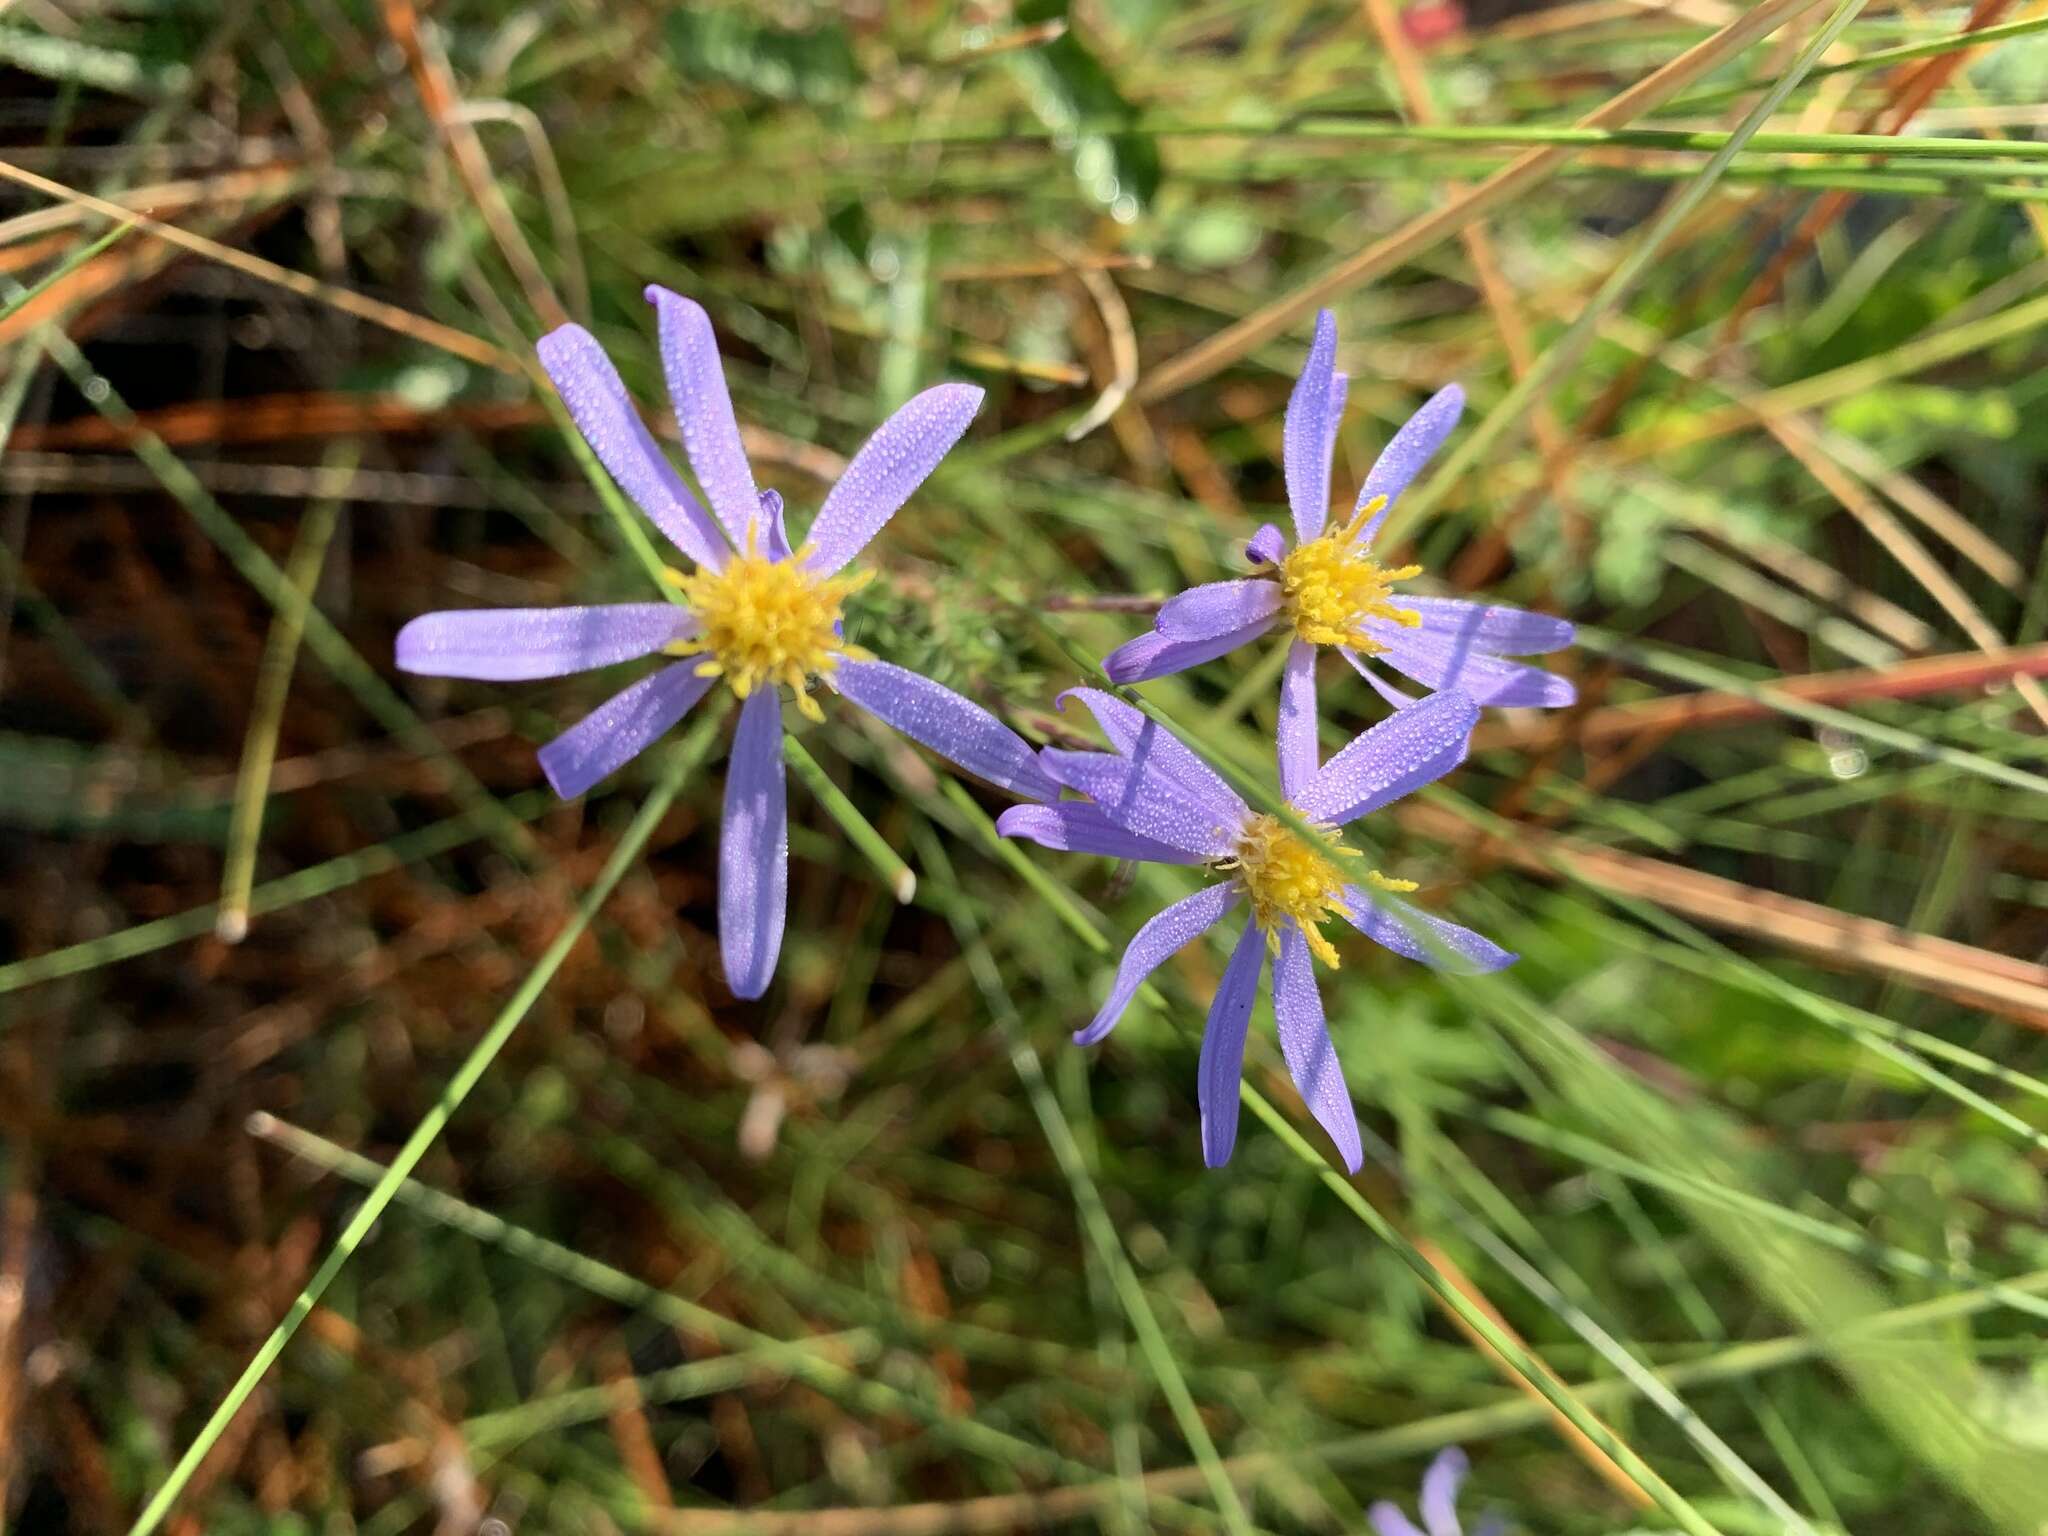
x=1153 y=799
x=755 y=614
x=1329 y=591
x=1438 y=1505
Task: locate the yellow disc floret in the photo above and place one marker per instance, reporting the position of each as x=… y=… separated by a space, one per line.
x=766 y=622
x=1288 y=877
x=1333 y=586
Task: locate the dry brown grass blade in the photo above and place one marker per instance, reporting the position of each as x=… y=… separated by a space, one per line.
x=375 y=311
x=1518 y=177
x=1576 y=1438
x=1980 y=978
x=1707 y=710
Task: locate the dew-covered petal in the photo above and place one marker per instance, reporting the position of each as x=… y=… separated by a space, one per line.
x=1402 y=753
x=1154 y=655
x=1408 y=450
x=1266 y=547
x=1491 y=626
x=1387 y=1520
x=1076 y=828
x=503 y=645
x=1310 y=432
x=621 y=728
x=956 y=728
x=1217 y=607
x=1297 y=736
x=1305 y=1042
x=1408 y=930
x=753 y=848
x=604 y=413
x=1439 y=1503
x=1445 y=663
x=1142 y=797
x=890 y=465
x=1222 y=1063
x=1146 y=742
x=1169 y=932
x=703 y=407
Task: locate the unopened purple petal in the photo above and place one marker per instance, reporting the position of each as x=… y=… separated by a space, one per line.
x=753 y=848
x=1380 y=685
x=1154 y=655
x=1305 y=1042
x=956 y=728
x=1150 y=745
x=502 y=645
x=1145 y=799
x=604 y=413
x=1218 y=607
x=1493 y=627
x=1076 y=828
x=777 y=538
x=1309 y=432
x=1388 y=1520
x=1266 y=547
x=1446 y=664
x=1222 y=1063
x=1402 y=753
x=1436 y=941
x=703 y=407
x=1409 y=449
x=1439 y=1503
x=1297 y=737
x=1166 y=934
x=621 y=728
x=890 y=465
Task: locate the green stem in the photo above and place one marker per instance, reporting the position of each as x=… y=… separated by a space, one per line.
x=897 y=875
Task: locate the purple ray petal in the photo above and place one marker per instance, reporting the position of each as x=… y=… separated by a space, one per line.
x=890 y=465
x=621 y=728
x=753 y=848
x=1402 y=753
x=1380 y=685
x=604 y=413
x=1153 y=655
x=1144 y=799
x=1439 y=1504
x=1445 y=664
x=1508 y=631
x=1222 y=1063
x=956 y=728
x=1297 y=741
x=1436 y=941
x=1076 y=828
x=703 y=407
x=1202 y=613
x=1309 y=432
x=1169 y=932
x=1340 y=390
x=1408 y=450
x=1388 y=1520
x=1305 y=1042
x=1150 y=745
x=503 y=645
x=1266 y=547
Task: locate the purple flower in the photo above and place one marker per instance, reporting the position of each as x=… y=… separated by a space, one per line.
x=1154 y=799
x=1439 y=1503
x=754 y=613
x=1329 y=591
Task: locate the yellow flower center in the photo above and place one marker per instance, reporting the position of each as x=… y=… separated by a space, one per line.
x=1333 y=586
x=1287 y=876
x=767 y=622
